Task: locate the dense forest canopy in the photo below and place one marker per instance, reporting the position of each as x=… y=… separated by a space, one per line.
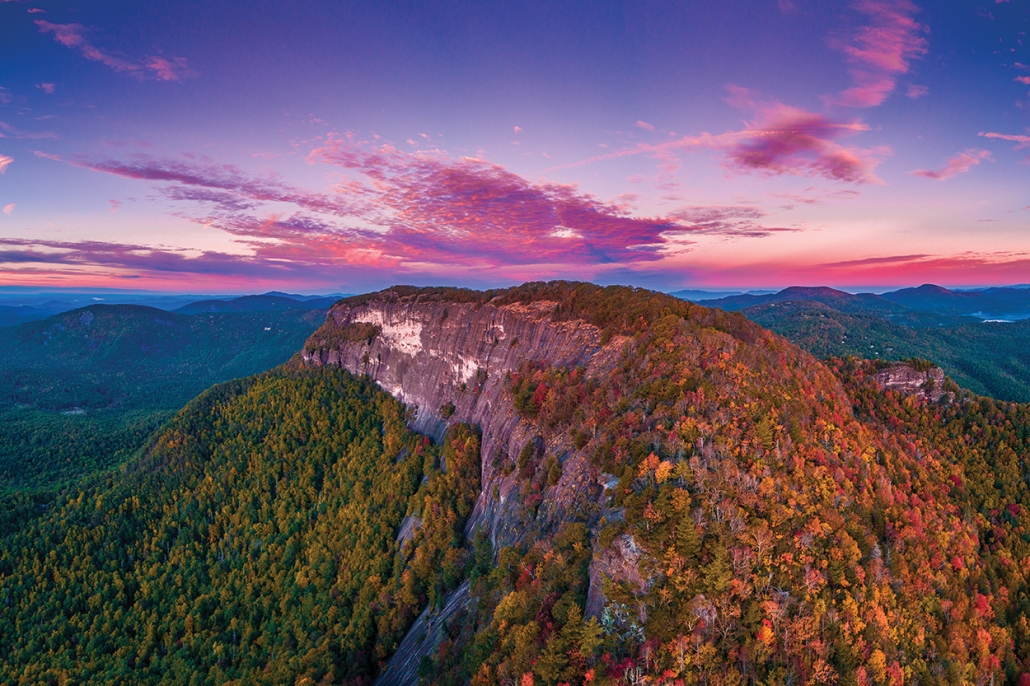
x=254 y=541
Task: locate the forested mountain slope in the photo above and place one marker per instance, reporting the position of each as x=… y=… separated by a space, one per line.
x=710 y=498
x=990 y=358
x=253 y=542
x=82 y=390
x=637 y=490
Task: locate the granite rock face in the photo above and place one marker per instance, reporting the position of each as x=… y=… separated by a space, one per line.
x=449 y=361
x=905 y=378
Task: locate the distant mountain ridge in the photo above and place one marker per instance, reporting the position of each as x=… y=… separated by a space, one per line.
x=269 y=302
x=18 y=308
x=999 y=302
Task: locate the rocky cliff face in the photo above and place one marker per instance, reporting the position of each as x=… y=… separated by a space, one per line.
x=927 y=384
x=449 y=361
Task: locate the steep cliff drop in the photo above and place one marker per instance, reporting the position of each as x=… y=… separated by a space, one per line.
x=444 y=357
x=451 y=361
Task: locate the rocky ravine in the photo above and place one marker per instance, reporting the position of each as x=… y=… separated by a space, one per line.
x=432 y=354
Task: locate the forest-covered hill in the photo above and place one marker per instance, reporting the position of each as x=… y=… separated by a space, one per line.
x=253 y=542
x=84 y=389
x=989 y=357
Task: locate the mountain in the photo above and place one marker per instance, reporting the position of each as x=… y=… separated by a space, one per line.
x=908 y=305
x=254 y=541
x=986 y=303
x=700 y=296
x=991 y=358
x=269 y=302
x=17 y=307
x=84 y=389
x=612 y=486
x=831 y=297
x=11 y=315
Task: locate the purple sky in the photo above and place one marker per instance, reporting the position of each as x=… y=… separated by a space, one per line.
x=331 y=146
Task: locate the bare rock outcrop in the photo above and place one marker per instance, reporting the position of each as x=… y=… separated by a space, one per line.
x=449 y=362
x=906 y=378
x=447 y=358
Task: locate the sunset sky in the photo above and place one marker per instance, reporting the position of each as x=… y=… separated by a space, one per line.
x=229 y=146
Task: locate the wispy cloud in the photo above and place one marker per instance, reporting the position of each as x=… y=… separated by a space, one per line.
x=966 y=268
x=439 y=209
x=915 y=91
x=644 y=125
x=74 y=36
x=787 y=140
x=733 y=221
x=1025 y=80
x=782 y=140
x=174 y=69
x=46 y=87
x=9 y=131
x=8 y=209
x=880 y=51
x=5 y=162
x=959 y=164
x=145 y=259
x=1022 y=140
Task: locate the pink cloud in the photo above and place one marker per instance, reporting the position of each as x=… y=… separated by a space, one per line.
x=786 y=6
x=18 y=133
x=915 y=92
x=413 y=213
x=735 y=221
x=880 y=51
x=169 y=70
x=784 y=140
x=8 y=209
x=73 y=36
x=5 y=162
x=25 y=258
x=787 y=140
x=36 y=10
x=467 y=210
x=46 y=87
x=1024 y=141
x=1025 y=80
x=238 y=188
x=959 y=164
x=644 y=125
x=968 y=268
